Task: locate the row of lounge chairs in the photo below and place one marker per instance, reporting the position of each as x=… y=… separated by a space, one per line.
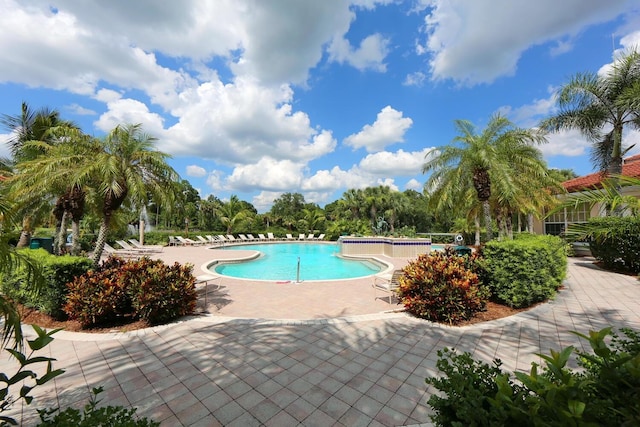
x=230 y=238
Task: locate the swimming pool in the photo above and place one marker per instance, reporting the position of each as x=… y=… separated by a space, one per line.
x=279 y=261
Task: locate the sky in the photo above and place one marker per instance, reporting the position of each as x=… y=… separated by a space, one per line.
x=258 y=98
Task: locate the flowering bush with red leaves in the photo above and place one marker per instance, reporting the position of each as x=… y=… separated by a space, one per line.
x=442 y=287
x=141 y=289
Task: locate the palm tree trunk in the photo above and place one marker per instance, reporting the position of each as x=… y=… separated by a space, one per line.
x=486 y=210
x=61 y=235
x=476 y=222
x=530 y=223
x=102 y=239
x=25 y=234
x=75 y=237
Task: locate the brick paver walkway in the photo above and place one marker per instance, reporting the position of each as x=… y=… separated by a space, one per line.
x=363 y=367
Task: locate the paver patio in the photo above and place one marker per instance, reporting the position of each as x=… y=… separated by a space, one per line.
x=312 y=354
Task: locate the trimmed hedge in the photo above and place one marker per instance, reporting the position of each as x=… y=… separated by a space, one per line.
x=57 y=271
x=619 y=246
x=526 y=270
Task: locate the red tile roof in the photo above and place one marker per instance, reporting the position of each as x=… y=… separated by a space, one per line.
x=630 y=167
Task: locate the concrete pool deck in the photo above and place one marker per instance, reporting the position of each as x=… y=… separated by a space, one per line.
x=297 y=357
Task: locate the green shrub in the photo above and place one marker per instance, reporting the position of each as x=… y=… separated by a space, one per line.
x=92 y=415
x=604 y=392
x=142 y=289
x=441 y=287
x=617 y=245
x=57 y=271
x=158 y=237
x=526 y=270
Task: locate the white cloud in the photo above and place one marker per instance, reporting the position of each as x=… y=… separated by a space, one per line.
x=196 y=171
x=467 y=42
x=80 y=110
x=414 y=184
x=4 y=145
x=369 y=55
x=241 y=122
x=131 y=111
x=400 y=163
x=388 y=128
x=415 y=79
x=263 y=201
x=215 y=180
x=566 y=143
x=266 y=174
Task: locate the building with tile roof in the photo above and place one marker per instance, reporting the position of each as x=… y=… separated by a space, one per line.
x=559 y=221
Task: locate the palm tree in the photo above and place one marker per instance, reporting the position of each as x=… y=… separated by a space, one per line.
x=232 y=213
x=600 y=107
x=123 y=167
x=43 y=125
x=483 y=160
x=51 y=174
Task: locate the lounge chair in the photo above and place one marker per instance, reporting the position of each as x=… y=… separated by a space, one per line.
x=127 y=247
x=136 y=244
x=320 y=237
x=231 y=238
x=202 y=240
x=174 y=242
x=387 y=283
x=186 y=241
x=121 y=252
x=289 y=236
x=301 y=236
x=250 y=237
x=271 y=236
x=261 y=236
x=311 y=237
x=243 y=237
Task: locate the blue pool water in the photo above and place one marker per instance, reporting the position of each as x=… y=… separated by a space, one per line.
x=279 y=261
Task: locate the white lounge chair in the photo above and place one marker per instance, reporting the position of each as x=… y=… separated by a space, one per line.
x=387 y=283
x=121 y=252
x=310 y=237
x=243 y=237
x=231 y=238
x=127 y=247
x=261 y=236
x=301 y=236
x=320 y=237
x=202 y=240
x=271 y=236
x=289 y=236
x=186 y=241
x=136 y=244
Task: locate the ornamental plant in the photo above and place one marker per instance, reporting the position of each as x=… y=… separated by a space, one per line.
x=141 y=289
x=442 y=287
x=604 y=391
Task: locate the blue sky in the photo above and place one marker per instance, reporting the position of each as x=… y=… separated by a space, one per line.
x=257 y=98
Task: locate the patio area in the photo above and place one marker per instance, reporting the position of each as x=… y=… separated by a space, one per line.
x=312 y=354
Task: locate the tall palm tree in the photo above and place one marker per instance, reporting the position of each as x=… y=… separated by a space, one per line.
x=51 y=174
x=43 y=125
x=600 y=107
x=123 y=167
x=484 y=160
